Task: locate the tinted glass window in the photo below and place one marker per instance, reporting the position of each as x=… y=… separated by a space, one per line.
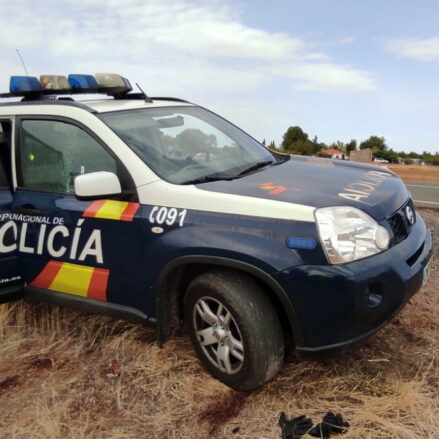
x=5 y=144
x=53 y=153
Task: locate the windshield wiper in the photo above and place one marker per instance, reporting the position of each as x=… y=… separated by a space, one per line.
x=216 y=177
x=207 y=179
x=254 y=167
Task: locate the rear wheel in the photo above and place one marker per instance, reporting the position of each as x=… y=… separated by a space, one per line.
x=234 y=328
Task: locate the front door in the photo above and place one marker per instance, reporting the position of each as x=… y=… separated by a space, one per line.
x=11 y=283
x=84 y=250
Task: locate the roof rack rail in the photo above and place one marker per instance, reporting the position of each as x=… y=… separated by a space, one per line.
x=160 y=98
x=44 y=95
x=50 y=95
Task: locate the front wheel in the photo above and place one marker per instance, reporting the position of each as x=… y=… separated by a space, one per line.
x=234 y=328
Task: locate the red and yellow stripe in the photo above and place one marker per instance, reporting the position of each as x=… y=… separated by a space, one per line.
x=111 y=209
x=79 y=280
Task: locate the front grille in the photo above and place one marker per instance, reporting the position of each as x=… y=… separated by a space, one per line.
x=398 y=228
x=399 y=224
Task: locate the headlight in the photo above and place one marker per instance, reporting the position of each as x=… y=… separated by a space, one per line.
x=349 y=234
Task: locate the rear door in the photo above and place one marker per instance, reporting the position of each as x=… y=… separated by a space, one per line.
x=11 y=283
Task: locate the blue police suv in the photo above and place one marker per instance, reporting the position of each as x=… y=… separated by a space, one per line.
x=157 y=210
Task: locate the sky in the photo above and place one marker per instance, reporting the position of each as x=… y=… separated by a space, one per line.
x=340 y=69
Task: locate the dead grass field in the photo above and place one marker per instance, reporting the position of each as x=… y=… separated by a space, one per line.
x=425 y=174
x=66 y=375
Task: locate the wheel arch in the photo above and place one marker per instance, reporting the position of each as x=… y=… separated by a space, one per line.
x=176 y=275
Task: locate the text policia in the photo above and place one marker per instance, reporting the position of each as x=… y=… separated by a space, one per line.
x=14 y=236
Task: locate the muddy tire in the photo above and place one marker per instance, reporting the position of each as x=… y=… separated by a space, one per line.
x=234 y=328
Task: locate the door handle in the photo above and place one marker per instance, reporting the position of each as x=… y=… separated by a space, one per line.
x=28 y=210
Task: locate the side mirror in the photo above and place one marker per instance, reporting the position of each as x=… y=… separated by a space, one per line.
x=96 y=185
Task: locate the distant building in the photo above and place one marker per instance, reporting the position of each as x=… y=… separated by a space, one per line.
x=418 y=162
x=361 y=155
x=336 y=154
x=410 y=161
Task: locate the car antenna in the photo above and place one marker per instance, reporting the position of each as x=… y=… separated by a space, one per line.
x=147 y=99
x=22 y=62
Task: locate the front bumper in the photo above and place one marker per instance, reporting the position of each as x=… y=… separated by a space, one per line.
x=338 y=305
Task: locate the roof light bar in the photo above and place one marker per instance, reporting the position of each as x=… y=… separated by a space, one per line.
x=49 y=86
x=56 y=83
x=83 y=83
x=112 y=83
x=22 y=85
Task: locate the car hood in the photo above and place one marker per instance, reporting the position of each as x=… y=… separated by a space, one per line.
x=321 y=182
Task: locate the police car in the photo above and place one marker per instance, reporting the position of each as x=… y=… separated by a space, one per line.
x=158 y=210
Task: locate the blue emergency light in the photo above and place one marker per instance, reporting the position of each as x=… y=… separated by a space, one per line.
x=20 y=85
x=83 y=83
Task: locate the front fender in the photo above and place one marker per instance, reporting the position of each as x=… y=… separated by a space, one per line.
x=256 y=245
x=260 y=248
x=162 y=294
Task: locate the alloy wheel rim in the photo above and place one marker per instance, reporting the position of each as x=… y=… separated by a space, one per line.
x=218 y=335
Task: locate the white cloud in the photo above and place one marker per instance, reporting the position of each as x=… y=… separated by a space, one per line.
x=324 y=76
x=331 y=77
x=134 y=27
x=348 y=40
x=426 y=49
x=173 y=45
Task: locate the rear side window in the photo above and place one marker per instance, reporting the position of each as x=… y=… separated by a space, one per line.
x=53 y=153
x=5 y=145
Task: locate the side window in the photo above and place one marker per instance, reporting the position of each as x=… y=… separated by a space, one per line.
x=53 y=153
x=5 y=151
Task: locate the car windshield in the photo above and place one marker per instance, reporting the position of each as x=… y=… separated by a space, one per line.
x=188 y=144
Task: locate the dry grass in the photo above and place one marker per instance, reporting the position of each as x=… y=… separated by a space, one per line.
x=64 y=374
x=427 y=174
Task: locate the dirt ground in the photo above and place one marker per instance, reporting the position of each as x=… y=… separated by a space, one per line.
x=426 y=174
x=64 y=374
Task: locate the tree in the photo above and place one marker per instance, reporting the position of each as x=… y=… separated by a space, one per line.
x=351 y=146
x=430 y=158
x=296 y=141
x=316 y=145
x=292 y=135
x=375 y=143
x=338 y=144
x=392 y=156
x=167 y=140
x=193 y=140
x=389 y=155
x=302 y=147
